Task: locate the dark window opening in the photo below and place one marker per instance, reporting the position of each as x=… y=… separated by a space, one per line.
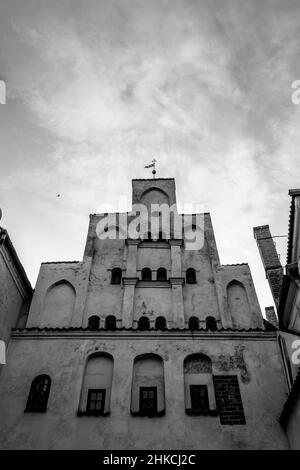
x=110 y=322
x=211 y=324
x=160 y=323
x=148 y=401
x=94 y=322
x=161 y=274
x=39 y=394
x=191 y=276
x=199 y=398
x=146 y=274
x=161 y=236
x=95 y=402
x=116 y=276
x=194 y=323
x=149 y=236
x=144 y=324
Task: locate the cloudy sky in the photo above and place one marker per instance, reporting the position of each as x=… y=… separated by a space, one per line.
x=97 y=88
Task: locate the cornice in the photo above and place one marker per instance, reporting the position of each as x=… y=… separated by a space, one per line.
x=177 y=281
x=129 y=333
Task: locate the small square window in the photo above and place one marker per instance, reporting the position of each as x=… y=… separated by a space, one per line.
x=95 y=401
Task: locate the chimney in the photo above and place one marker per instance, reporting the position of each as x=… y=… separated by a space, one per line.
x=270 y=259
x=271 y=316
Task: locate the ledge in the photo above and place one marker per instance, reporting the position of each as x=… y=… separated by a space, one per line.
x=134 y=334
x=177 y=281
x=190 y=412
x=94 y=414
x=143 y=414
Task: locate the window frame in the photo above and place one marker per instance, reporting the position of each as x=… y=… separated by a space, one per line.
x=148 y=271
x=162 y=319
x=201 y=409
x=95 y=412
x=109 y=319
x=191 y=273
x=148 y=411
x=144 y=319
x=116 y=279
x=92 y=319
x=194 y=319
x=37 y=402
x=165 y=274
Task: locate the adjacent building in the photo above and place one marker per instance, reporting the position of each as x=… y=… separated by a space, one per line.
x=285 y=287
x=15 y=290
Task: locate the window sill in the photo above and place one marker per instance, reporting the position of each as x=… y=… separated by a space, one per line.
x=191 y=412
x=28 y=410
x=143 y=414
x=93 y=413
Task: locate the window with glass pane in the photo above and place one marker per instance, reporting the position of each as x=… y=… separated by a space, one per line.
x=148 y=400
x=199 y=397
x=96 y=401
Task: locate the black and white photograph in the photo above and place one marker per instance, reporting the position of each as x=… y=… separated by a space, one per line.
x=149 y=229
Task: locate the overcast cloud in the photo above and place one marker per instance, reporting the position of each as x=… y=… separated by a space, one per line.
x=97 y=88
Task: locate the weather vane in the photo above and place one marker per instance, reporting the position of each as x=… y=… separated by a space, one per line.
x=152 y=165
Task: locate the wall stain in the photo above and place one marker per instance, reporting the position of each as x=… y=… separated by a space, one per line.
x=226 y=363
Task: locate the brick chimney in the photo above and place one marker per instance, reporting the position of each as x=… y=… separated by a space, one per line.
x=270 y=259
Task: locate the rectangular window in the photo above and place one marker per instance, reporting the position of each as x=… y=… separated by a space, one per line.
x=148 y=400
x=199 y=397
x=95 y=401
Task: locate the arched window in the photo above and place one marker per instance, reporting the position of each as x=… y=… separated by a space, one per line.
x=193 y=323
x=143 y=323
x=146 y=274
x=160 y=323
x=96 y=387
x=211 y=324
x=39 y=394
x=238 y=305
x=116 y=276
x=191 y=276
x=110 y=322
x=58 y=305
x=94 y=322
x=148 y=387
x=198 y=384
x=161 y=274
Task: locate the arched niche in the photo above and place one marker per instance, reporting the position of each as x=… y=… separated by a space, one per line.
x=194 y=235
x=58 y=305
x=198 y=384
x=154 y=196
x=238 y=305
x=96 y=386
x=148 y=386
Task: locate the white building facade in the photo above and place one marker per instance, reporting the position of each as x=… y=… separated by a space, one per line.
x=146 y=343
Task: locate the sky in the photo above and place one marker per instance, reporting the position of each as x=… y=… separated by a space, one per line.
x=97 y=88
